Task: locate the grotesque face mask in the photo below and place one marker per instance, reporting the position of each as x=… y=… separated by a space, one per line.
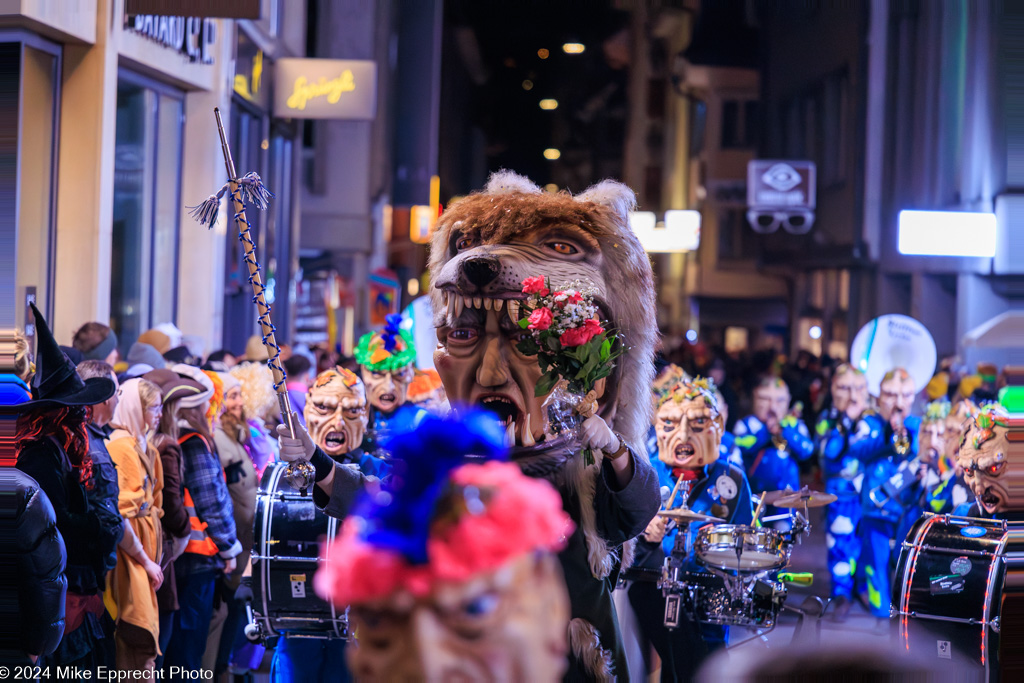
x=336 y=412
x=689 y=432
x=504 y=625
x=771 y=401
x=895 y=397
x=387 y=389
x=983 y=457
x=850 y=392
x=483 y=250
x=957 y=422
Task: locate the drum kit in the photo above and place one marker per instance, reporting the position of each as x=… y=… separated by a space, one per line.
x=732 y=576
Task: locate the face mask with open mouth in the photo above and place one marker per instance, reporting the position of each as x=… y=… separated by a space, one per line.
x=336 y=413
x=983 y=457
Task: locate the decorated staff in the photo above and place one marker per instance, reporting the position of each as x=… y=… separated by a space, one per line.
x=249 y=188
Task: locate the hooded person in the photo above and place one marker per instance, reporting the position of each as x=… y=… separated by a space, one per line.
x=96 y=341
x=140 y=489
x=53 y=449
x=236 y=435
x=213 y=544
x=387 y=367
x=174 y=522
x=485 y=249
x=460 y=557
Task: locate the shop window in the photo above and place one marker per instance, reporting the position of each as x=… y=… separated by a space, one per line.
x=29 y=105
x=147 y=205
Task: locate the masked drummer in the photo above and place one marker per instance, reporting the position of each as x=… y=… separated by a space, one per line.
x=772 y=440
x=983 y=455
x=886 y=443
x=844 y=474
x=336 y=414
x=451 y=574
x=386 y=363
x=689 y=427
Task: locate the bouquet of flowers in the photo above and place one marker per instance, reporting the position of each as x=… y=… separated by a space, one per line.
x=572 y=346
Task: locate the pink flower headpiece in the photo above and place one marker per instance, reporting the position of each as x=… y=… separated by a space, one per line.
x=489 y=514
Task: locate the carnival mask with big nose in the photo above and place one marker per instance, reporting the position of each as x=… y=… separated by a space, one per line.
x=504 y=625
x=771 y=401
x=849 y=391
x=387 y=389
x=689 y=432
x=933 y=440
x=983 y=457
x=957 y=423
x=895 y=397
x=335 y=412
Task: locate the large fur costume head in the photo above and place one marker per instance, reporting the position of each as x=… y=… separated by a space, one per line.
x=488 y=242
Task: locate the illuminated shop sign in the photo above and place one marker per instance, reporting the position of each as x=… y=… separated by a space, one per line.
x=228 y=9
x=194 y=37
x=325 y=89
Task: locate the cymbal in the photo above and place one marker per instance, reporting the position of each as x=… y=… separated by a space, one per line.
x=771 y=496
x=687 y=515
x=805 y=498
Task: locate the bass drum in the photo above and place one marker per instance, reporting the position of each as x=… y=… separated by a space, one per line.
x=289 y=529
x=947 y=590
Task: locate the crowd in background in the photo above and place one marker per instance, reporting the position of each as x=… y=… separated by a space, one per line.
x=154 y=488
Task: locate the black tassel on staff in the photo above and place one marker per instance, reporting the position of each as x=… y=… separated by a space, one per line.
x=249 y=188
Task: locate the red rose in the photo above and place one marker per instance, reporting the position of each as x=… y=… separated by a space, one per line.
x=578 y=336
x=535 y=285
x=540 y=319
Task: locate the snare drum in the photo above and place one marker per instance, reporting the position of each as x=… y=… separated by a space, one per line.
x=289 y=529
x=948 y=587
x=741 y=549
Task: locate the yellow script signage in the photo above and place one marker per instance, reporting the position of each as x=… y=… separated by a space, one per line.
x=325 y=89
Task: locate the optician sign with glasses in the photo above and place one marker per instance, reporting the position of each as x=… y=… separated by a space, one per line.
x=781 y=193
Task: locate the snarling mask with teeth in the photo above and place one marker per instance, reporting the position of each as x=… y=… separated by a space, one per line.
x=689 y=425
x=983 y=455
x=484 y=247
x=386 y=363
x=336 y=412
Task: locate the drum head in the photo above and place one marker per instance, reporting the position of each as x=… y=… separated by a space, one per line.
x=749 y=560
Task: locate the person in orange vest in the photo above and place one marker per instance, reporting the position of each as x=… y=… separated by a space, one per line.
x=213 y=543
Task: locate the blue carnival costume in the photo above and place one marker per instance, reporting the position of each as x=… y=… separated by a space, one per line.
x=889 y=493
x=683 y=649
x=771 y=464
x=844 y=474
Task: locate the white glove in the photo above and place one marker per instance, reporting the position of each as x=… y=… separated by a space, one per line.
x=597 y=434
x=295 y=449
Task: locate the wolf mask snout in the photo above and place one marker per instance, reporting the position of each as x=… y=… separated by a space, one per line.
x=481 y=270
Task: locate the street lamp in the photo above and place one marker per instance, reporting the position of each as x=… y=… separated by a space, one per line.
x=573 y=48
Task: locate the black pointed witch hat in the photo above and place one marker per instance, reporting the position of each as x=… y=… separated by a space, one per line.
x=55 y=382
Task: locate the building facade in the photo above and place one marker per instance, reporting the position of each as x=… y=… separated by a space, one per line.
x=116 y=139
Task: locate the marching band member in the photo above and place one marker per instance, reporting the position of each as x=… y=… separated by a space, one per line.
x=452 y=574
x=772 y=440
x=844 y=474
x=386 y=362
x=336 y=416
x=886 y=445
x=944 y=439
x=689 y=427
